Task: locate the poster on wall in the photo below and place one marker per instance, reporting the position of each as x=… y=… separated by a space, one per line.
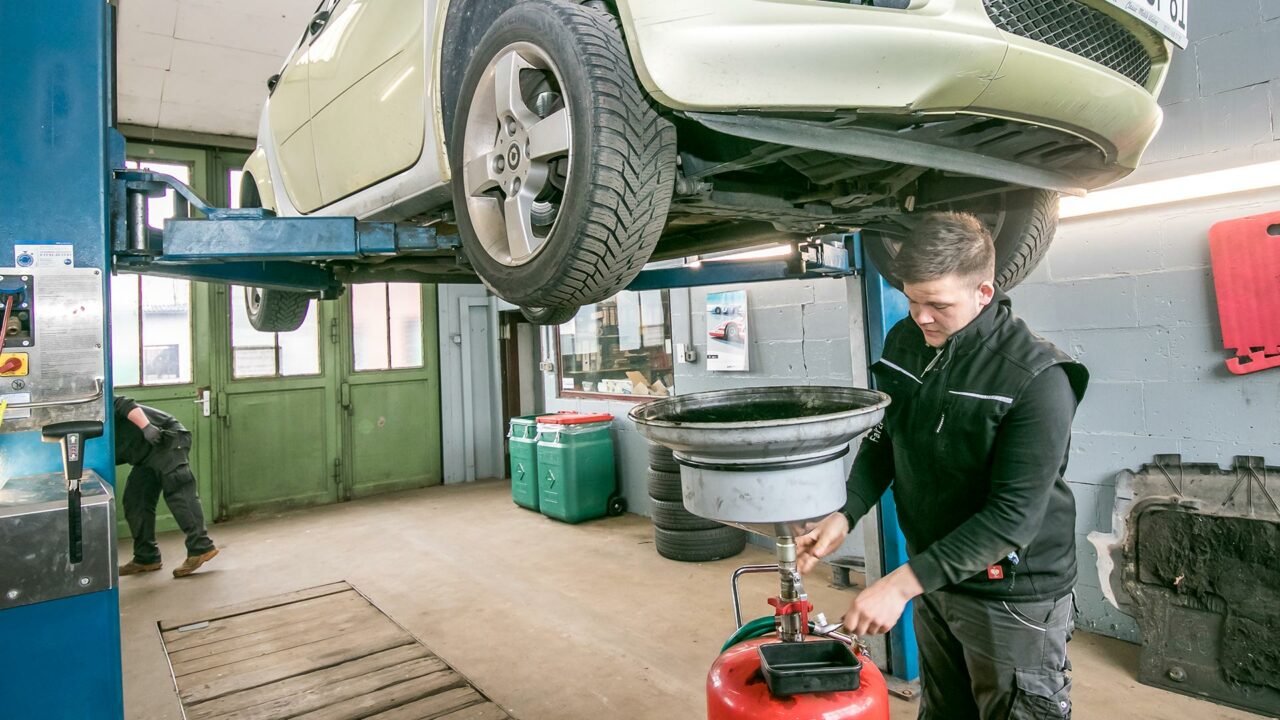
x=727 y=331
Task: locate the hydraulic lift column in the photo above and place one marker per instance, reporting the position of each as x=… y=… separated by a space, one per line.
x=59 y=608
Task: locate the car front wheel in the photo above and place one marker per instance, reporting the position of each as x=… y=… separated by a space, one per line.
x=562 y=167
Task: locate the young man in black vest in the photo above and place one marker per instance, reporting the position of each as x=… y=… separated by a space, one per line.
x=974 y=446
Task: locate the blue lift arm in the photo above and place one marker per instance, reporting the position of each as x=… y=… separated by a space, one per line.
x=253 y=246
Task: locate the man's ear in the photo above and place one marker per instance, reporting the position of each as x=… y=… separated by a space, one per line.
x=986 y=292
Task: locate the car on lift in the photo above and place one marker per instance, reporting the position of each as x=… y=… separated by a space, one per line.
x=568 y=144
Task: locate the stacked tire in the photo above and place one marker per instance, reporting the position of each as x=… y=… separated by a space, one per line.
x=678 y=533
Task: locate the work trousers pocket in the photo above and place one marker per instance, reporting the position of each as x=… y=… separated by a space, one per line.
x=1041 y=695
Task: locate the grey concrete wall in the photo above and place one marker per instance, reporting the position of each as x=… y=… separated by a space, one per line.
x=1131 y=295
x=798 y=334
x=1222 y=96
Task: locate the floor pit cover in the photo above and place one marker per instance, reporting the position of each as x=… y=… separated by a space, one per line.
x=324 y=652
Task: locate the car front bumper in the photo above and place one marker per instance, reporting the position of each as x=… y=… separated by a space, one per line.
x=940 y=57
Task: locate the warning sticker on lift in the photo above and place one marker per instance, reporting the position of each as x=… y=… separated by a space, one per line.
x=45 y=256
x=15 y=399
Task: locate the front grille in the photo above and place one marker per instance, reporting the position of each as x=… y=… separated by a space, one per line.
x=1077 y=28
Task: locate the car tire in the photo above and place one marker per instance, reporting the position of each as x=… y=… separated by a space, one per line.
x=276 y=310
x=548 y=316
x=1023 y=224
x=271 y=310
x=660 y=458
x=672 y=515
x=699 y=545
x=616 y=180
x=665 y=486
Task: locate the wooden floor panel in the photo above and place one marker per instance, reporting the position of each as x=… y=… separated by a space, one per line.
x=322 y=653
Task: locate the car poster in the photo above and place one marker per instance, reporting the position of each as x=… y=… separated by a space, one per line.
x=727 y=331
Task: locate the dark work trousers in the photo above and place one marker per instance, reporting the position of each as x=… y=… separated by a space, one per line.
x=140 y=497
x=984 y=659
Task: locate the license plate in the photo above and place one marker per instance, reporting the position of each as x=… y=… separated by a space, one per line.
x=1168 y=17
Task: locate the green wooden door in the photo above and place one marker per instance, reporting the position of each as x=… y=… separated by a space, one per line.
x=390 y=390
x=158 y=357
x=278 y=411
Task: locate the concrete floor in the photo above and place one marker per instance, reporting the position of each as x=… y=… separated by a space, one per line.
x=553 y=621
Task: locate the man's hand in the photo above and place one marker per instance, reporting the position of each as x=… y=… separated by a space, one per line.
x=877 y=609
x=152 y=434
x=822 y=540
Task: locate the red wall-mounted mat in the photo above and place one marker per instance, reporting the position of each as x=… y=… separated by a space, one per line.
x=1246 y=275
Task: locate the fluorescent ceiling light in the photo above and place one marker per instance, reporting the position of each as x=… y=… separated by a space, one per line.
x=1163 y=192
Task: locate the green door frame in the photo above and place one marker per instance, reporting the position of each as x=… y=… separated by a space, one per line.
x=179 y=398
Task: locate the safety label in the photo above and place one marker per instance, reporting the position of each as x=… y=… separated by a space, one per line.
x=46 y=256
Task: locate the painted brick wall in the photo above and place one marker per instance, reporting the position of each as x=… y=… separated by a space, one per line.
x=1222 y=96
x=1131 y=296
x=799 y=335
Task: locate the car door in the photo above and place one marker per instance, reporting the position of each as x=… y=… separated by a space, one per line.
x=368 y=80
x=289 y=118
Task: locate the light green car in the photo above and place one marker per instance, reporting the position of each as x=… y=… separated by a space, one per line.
x=569 y=144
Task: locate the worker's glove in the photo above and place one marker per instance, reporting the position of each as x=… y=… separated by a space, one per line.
x=152 y=434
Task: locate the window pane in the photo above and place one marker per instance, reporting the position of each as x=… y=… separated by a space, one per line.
x=234 y=177
x=369 y=326
x=300 y=349
x=124 y=330
x=619 y=346
x=253 y=353
x=405 y=324
x=166 y=331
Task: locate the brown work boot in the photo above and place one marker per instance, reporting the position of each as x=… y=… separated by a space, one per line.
x=133 y=567
x=193 y=563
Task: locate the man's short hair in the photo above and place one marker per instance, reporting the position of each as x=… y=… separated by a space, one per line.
x=946 y=243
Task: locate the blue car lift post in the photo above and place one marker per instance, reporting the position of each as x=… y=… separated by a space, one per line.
x=884 y=306
x=59 y=657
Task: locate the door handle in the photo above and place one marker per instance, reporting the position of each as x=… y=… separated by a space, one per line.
x=318 y=21
x=203 y=398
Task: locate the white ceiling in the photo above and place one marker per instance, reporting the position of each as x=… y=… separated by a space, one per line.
x=202 y=65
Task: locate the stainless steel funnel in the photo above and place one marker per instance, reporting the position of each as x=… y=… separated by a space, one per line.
x=767 y=459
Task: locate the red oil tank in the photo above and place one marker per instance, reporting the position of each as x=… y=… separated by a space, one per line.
x=736 y=691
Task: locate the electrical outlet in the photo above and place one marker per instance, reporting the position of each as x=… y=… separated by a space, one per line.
x=547 y=366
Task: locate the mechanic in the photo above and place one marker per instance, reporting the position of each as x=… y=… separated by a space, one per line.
x=159 y=448
x=975 y=446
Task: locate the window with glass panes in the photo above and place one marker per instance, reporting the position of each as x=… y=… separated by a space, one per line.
x=621 y=346
x=386 y=326
x=151 y=316
x=257 y=354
